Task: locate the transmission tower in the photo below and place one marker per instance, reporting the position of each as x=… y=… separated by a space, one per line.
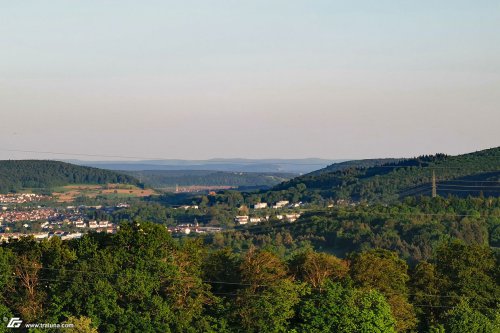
x=434 y=187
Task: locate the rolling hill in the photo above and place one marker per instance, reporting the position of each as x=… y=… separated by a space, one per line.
x=462 y=175
x=19 y=174
x=367 y=163
x=169 y=178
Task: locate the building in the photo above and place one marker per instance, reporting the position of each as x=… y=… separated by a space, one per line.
x=122 y=205
x=292 y=217
x=201 y=230
x=71 y=236
x=281 y=204
x=186 y=207
x=241 y=219
x=260 y=205
x=103 y=224
x=41 y=235
x=80 y=224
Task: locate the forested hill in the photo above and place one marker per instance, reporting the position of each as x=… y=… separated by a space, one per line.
x=462 y=175
x=18 y=174
x=167 y=178
x=367 y=163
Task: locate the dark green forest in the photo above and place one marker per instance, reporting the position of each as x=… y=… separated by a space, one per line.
x=143 y=280
x=18 y=174
x=367 y=163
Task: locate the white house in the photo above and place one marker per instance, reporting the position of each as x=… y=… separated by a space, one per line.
x=292 y=217
x=255 y=219
x=260 y=205
x=103 y=224
x=281 y=204
x=241 y=219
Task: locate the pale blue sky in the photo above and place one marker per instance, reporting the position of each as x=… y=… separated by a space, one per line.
x=202 y=79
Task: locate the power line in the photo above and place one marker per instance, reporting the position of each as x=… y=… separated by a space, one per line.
x=470 y=190
x=469 y=181
x=214 y=282
x=468 y=186
x=217 y=293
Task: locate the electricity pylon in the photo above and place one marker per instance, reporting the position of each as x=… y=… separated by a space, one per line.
x=434 y=187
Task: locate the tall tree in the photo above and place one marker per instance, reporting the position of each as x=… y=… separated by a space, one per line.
x=385 y=271
x=340 y=309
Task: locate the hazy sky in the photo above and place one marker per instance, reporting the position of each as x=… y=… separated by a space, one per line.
x=202 y=79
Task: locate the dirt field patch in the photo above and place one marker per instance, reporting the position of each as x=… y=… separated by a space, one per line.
x=70 y=192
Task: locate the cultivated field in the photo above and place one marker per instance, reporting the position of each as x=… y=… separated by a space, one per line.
x=70 y=192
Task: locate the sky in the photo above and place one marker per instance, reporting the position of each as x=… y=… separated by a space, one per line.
x=256 y=79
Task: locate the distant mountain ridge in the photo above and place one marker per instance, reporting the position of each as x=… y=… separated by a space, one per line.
x=19 y=174
x=296 y=166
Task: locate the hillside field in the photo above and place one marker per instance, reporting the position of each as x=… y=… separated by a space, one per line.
x=68 y=193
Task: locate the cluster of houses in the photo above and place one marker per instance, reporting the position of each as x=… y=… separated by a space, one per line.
x=94 y=226
x=192 y=228
x=52 y=219
x=277 y=205
x=99 y=226
x=290 y=217
x=244 y=219
x=107 y=209
x=11 y=216
x=20 y=198
x=66 y=223
x=8 y=237
x=186 y=207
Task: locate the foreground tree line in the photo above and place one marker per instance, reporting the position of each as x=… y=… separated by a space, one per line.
x=142 y=280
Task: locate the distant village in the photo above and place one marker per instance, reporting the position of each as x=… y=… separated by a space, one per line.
x=290 y=217
x=18 y=220
x=20 y=198
x=67 y=223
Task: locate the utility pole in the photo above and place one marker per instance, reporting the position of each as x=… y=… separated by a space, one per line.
x=434 y=187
